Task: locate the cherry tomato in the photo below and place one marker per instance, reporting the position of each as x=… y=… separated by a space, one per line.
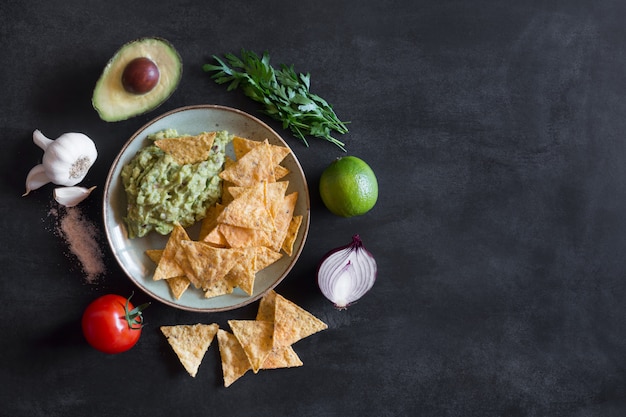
x=111 y=324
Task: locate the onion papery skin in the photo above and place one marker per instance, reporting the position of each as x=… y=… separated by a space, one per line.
x=347 y=273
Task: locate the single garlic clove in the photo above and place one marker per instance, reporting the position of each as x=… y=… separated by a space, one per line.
x=36 y=178
x=71 y=196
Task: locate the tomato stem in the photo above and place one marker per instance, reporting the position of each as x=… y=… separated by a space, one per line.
x=134 y=316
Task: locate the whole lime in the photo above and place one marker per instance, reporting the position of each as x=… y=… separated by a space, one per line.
x=348 y=187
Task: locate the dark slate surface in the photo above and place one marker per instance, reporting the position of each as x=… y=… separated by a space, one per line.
x=497 y=132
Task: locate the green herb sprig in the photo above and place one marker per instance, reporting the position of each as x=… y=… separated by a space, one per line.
x=285 y=95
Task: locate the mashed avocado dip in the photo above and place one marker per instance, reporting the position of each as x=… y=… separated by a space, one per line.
x=161 y=192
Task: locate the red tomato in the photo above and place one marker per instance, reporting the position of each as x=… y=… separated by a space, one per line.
x=111 y=324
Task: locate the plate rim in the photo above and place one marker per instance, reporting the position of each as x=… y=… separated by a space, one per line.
x=106 y=207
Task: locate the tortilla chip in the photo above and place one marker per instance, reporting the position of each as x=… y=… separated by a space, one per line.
x=226 y=196
x=168 y=267
x=282 y=358
x=154 y=254
x=274 y=196
x=249 y=210
x=188 y=149
x=215 y=238
x=178 y=286
x=253 y=167
x=209 y=222
x=265 y=257
x=206 y=265
x=282 y=220
x=256 y=339
x=292 y=233
x=242 y=237
x=243 y=274
x=293 y=323
x=267 y=307
x=280 y=172
x=234 y=360
x=190 y=343
x=242 y=146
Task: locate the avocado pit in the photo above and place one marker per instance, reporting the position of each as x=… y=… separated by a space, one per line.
x=140 y=76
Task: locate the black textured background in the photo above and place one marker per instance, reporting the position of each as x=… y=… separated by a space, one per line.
x=496 y=129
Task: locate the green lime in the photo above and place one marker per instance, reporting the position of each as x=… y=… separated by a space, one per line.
x=348 y=187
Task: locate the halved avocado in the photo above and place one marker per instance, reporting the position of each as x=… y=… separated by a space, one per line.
x=114 y=102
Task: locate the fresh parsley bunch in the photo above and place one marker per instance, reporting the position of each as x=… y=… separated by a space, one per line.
x=284 y=94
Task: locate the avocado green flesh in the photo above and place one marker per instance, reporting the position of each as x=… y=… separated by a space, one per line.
x=110 y=99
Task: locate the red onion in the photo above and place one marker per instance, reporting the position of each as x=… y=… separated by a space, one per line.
x=347 y=273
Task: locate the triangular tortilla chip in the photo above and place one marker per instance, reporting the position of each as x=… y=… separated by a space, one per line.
x=292 y=234
x=253 y=167
x=282 y=220
x=235 y=363
x=267 y=307
x=293 y=323
x=242 y=237
x=242 y=146
x=217 y=287
x=178 y=286
x=168 y=267
x=210 y=220
x=274 y=196
x=242 y=275
x=249 y=210
x=205 y=264
x=280 y=172
x=154 y=255
x=256 y=339
x=282 y=358
x=265 y=257
x=190 y=342
x=188 y=149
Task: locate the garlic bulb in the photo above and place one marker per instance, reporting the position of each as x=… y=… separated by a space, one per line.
x=66 y=160
x=71 y=196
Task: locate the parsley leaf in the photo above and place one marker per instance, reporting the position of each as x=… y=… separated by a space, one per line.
x=284 y=94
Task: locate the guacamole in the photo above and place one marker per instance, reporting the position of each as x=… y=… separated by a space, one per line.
x=160 y=192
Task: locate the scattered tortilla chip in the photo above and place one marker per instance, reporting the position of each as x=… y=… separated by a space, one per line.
x=190 y=342
x=292 y=233
x=188 y=149
x=256 y=339
x=293 y=323
x=267 y=305
x=168 y=267
x=282 y=358
x=234 y=360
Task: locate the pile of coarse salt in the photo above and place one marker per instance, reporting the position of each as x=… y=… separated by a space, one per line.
x=81 y=237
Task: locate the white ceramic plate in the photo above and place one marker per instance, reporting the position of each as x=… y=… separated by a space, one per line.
x=130 y=253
